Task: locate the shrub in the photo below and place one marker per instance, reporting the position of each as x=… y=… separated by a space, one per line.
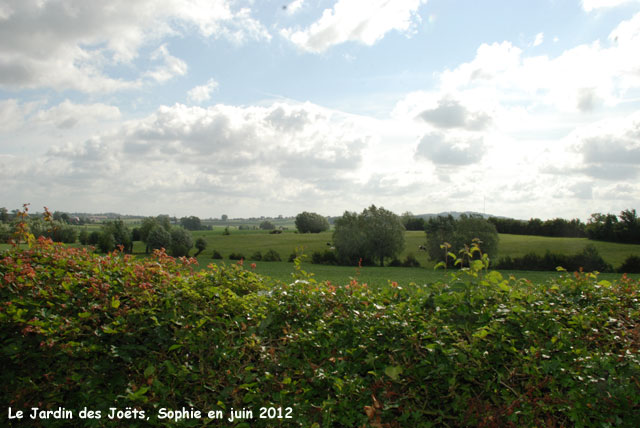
x=411 y=261
x=135 y=234
x=61 y=232
x=326 y=257
x=94 y=238
x=292 y=256
x=395 y=263
x=630 y=265
x=78 y=329
x=271 y=256
x=267 y=225
x=588 y=259
x=120 y=234
x=83 y=236
x=106 y=242
x=5 y=232
x=216 y=255
x=257 y=256
x=236 y=256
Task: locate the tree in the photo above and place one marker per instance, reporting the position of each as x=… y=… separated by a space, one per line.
x=201 y=245
x=106 y=241
x=191 y=223
x=307 y=222
x=224 y=217
x=439 y=231
x=181 y=242
x=149 y=223
x=411 y=222
x=94 y=238
x=159 y=238
x=349 y=239
x=61 y=217
x=83 y=237
x=267 y=225
x=375 y=234
x=4 y=215
x=458 y=233
x=119 y=232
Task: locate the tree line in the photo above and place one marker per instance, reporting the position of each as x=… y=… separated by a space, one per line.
x=623 y=228
x=557 y=227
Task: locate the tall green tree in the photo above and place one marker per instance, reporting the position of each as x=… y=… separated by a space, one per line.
x=159 y=238
x=4 y=215
x=120 y=233
x=147 y=226
x=307 y=222
x=191 y=223
x=181 y=242
x=373 y=235
x=458 y=233
x=267 y=225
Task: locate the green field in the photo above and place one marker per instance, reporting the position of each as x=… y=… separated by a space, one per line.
x=248 y=242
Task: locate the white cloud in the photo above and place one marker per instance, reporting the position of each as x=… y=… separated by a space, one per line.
x=539 y=39
x=283 y=151
x=590 y=5
x=451 y=113
x=171 y=66
x=610 y=149
x=202 y=93
x=446 y=149
x=294 y=7
x=67 y=114
x=581 y=79
x=65 y=44
x=363 y=21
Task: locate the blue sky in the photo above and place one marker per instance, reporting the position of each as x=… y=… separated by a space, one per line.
x=249 y=108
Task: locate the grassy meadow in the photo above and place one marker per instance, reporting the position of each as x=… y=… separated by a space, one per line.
x=247 y=242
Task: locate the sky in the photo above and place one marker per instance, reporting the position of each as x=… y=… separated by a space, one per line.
x=263 y=108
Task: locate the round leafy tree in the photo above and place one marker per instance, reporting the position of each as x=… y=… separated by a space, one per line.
x=458 y=233
x=181 y=242
x=307 y=222
x=373 y=235
x=158 y=238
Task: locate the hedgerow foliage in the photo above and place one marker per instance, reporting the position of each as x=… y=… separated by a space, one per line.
x=79 y=329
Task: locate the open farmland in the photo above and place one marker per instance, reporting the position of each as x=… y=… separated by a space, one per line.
x=249 y=241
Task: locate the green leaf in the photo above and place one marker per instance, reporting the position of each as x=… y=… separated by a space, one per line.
x=503 y=286
x=481 y=333
x=84 y=314
x=149 y=371
x=393 y=371
x=115 y=303
x=174 y=347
